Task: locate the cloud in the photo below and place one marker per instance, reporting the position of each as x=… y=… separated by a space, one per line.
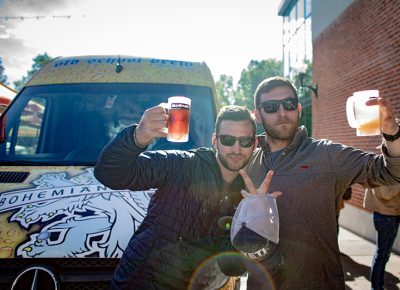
x=28 y=6
x=15 y=11
x=222 y=33
x=14 y=53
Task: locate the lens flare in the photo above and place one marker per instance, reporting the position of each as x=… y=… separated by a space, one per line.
x=228 y=262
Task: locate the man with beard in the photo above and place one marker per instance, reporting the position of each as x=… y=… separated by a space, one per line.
x=312 y=174
x=176 y=244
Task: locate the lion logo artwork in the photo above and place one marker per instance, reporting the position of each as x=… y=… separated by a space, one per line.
x=78 y=216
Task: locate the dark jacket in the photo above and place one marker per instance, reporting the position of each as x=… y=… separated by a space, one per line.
x=179 y=237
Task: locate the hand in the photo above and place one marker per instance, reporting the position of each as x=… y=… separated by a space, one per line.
x=151 y=125
x=263 y=189
x=387 y=119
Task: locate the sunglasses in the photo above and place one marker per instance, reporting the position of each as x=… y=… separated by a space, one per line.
x=228 y=140
x=271 y=106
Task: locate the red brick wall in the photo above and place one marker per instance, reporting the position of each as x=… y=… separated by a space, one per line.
x=360 y=50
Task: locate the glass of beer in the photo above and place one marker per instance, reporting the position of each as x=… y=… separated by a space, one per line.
x=178 y=118
x=362 y=117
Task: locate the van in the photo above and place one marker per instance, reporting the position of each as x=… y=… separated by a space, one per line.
x=59 y=227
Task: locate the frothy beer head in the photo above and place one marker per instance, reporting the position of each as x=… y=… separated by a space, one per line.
x=178 y=119
x=362 y=117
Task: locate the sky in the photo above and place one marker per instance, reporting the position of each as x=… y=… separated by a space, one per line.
x=226 y=34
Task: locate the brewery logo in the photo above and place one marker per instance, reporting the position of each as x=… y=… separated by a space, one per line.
x=180 y=106
x=77 y=216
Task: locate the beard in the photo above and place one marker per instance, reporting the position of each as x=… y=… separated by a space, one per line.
x=230 y=164
x=286 y=132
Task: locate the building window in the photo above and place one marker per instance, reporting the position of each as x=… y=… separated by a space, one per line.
x=297 y=49
x=297 y=42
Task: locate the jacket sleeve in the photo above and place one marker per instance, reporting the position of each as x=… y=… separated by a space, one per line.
x=366 y=168
x=124 y=165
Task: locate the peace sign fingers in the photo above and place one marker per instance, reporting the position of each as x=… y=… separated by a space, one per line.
x=263 y=187
x=266 y=182
x=249 y=183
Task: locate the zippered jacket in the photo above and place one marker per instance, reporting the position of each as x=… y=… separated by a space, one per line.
x=312 y=175
x=178 y=241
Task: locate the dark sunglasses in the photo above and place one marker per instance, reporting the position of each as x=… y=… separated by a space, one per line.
x=228 y=140
x=271 y=106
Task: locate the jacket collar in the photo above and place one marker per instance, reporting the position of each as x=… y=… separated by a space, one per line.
x=299 y=137
x=208 y=155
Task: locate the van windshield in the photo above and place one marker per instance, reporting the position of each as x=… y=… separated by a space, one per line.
x=70 y=124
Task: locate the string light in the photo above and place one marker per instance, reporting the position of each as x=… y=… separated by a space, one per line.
x=39 y=17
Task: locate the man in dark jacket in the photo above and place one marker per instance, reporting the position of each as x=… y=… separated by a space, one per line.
x=177 y=243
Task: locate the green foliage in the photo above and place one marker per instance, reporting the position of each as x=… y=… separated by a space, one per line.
x=38 y=62
x=305 y=97
x=3 y=77
x=225 y=91
x=250 y=77
x=304 y=92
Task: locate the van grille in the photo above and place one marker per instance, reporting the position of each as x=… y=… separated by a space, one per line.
x=101 y=285
x=13 y=177
x=75 y=263
x=73 y=273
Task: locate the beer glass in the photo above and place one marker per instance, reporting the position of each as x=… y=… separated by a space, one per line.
x=362 y=117
x=178 y=118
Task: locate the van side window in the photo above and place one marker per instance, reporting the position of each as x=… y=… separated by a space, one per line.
x=28 y=130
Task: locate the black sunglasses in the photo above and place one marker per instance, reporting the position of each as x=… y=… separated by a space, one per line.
x=271 y=106
x=228 y=140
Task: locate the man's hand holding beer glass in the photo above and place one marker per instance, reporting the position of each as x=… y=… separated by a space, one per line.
x=154 y=122
x=151 y=125
x=389 y=126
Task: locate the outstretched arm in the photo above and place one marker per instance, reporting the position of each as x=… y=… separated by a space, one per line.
x=121 y=164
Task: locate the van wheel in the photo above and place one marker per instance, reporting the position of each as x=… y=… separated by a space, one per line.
x=36 y=277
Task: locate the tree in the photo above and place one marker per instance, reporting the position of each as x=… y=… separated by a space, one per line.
x=305 y=96
x=225 y=90
x=3 y=77
x=250 y=78
x=39 y=61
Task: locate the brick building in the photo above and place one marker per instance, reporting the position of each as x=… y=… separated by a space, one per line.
x=355 y=46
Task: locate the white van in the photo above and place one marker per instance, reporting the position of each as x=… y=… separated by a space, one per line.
x=59 y=227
